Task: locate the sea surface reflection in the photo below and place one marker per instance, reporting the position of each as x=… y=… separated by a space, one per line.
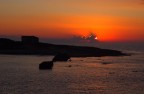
x=91 y=75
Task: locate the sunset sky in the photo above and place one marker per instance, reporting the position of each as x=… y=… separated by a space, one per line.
x=111 y=20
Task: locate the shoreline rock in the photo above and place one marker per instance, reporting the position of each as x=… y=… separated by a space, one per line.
x=19 y=48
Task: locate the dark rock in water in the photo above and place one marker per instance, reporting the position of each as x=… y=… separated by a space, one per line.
x=70 y=66
x=135 y=71
x=46 y=65
x=61 y=57
x=105 y=63
x=111 y=72
x=49 y=64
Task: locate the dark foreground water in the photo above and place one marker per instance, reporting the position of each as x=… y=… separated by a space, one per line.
x=92 y=75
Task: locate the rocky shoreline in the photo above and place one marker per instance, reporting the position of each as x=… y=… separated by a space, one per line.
x=12 y=47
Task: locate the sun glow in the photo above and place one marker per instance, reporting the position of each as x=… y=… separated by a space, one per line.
x=96 y=38
x=91 y=37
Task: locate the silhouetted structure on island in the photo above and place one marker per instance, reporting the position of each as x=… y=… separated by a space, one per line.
x=30 y=45
x=29 y=40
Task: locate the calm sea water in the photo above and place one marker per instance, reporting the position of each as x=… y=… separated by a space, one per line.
x=19 y=74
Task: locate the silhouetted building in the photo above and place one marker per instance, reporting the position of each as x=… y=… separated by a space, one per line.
x=29 y=39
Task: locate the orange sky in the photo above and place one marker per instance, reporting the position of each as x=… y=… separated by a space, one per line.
x=111 y=20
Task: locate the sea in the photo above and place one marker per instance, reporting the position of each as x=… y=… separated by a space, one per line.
x=20 y=74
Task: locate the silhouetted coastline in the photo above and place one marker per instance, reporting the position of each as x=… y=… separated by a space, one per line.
x=30 y=45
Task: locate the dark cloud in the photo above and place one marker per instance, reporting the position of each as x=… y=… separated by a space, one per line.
x=89 y=40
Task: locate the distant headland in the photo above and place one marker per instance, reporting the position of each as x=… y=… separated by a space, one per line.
x=30 y=45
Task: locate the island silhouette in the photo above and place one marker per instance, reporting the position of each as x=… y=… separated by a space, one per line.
x=30 y=45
